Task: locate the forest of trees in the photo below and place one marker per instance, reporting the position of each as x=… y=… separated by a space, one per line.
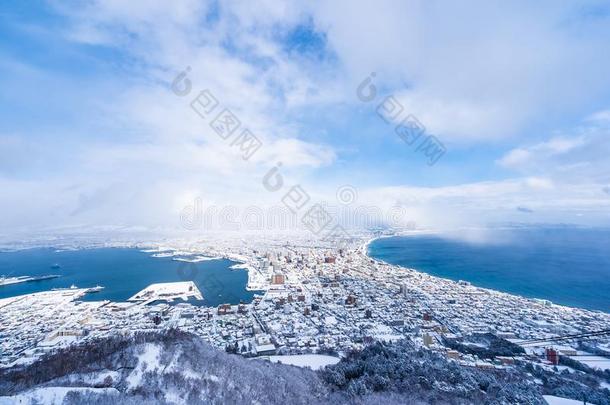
x=485 y=346
x=401 y=368
x=190 y=368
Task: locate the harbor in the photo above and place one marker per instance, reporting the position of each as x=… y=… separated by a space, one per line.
x=168 y=292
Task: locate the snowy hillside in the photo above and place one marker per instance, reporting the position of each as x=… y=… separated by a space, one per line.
x=178 y=368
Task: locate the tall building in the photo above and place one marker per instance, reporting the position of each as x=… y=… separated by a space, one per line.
x=427 y=339
x=404 y=290
x=277 y=279
x=276 y=267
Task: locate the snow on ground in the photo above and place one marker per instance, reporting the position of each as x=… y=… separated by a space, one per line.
x=150 y=356
x=313 y=361
x=385 y=333
x=330 y=321
x=552 y=400
x=389 y=337
x=96 y=377
x=188 y=372
x=168 y=292
x=175 y=366
x=593 y=361
x=49 y=395
x=174 y=397
x=7 y=301
x=196 y=259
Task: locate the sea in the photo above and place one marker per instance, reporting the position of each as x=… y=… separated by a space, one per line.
x=566 y=265
x=122 y=272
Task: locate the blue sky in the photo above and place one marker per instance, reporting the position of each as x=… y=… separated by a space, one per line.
x=91 y=134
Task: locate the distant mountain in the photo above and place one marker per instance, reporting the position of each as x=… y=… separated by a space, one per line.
x=177 y=368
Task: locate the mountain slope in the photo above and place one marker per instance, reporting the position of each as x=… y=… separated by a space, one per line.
x=178 y=368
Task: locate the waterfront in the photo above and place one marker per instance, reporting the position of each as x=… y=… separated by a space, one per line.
x=564 y=265
x=318 y=300
x=122 y=272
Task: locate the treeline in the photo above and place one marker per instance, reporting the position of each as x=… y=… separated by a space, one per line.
x=103 y=354
x=186 y=366
x=485 y=346
x=574 y=385
x=388 y=373
x=426 y=376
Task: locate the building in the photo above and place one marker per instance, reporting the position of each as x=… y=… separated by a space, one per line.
x=404 y=290
x=278 y=279
x=507 y=361
x=552 y=356
x=453 y=354
x=427 y=339
x=224 y=309
x=276 y=267
x=264 y=346
x=567 y=351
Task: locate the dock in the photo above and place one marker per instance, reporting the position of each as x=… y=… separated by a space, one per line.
x=167 y=292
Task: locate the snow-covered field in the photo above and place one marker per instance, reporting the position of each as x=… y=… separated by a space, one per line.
x=147 y=360
x=552 y=400
x=168 y=292
x=593 y=361
x=313 y=361
x=48 y=395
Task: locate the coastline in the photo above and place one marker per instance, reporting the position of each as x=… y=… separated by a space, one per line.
x=398 y=299
x=256 y=280
x=172 y=266
x=538 y=300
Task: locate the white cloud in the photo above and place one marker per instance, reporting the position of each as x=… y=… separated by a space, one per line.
x=600 y=117
x=495 y=202
x=470 y=73
x=552 y=148
x=579 y=157
x=480 y=70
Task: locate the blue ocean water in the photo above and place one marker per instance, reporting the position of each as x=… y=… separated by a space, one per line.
x=569 y=266
x=123 y=272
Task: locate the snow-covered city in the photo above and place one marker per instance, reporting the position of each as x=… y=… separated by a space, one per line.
x=315 y=298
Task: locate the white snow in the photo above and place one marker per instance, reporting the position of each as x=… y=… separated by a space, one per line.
x=196 y=259
x=174 y=397
x=49 y=395
x=593 y=361
x=552 y=400
x=150 y=356
x=330 y=321
x=96 y=377
x=168 y=292
x=313 y=361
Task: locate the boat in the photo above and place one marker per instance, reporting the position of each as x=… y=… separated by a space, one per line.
x=72 y=287
x=56 y=266
x=95 y=289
